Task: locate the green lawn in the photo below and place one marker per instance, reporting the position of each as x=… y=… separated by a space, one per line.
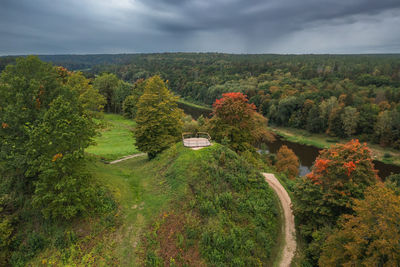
x=115 y=139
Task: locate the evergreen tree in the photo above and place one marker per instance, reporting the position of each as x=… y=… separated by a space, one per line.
x=158 y=118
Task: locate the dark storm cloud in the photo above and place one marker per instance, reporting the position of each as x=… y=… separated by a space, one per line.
x=249 y=26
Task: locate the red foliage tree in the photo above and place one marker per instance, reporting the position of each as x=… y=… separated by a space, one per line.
x=339 y=176
x=237 y=122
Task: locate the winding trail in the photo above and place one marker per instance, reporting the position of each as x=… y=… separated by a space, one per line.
x=290 y=231
x=127 y=157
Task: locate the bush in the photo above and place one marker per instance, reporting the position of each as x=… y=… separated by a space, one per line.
x=387 y=155
x=227 y=214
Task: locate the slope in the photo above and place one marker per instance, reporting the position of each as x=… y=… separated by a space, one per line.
x=222 y=213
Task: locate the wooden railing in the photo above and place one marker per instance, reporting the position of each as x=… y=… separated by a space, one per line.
x=200 y=139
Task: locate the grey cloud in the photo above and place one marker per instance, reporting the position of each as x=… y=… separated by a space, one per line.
x=252 y=26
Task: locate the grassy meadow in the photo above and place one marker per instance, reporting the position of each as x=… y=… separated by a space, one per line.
x=115 y=138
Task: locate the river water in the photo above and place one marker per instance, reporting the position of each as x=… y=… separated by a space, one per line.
x=308 y=154
x=195 y=112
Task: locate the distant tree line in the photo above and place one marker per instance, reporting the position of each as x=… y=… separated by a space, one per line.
x=341 y=95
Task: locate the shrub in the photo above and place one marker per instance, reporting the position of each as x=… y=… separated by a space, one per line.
x=229 y=213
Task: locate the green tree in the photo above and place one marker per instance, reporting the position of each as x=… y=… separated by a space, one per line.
x=367 y=118
x=89 y=97
x=107 y=84
x=383 y=128
x=56 y=149
x=131 y=101
x=326 y=107
x=44 y=132
x=370 y=236
x=129 y=107
x=122 y=91
x=335 y=123
x=349 y=118
x=158 y=118
x=315 y=123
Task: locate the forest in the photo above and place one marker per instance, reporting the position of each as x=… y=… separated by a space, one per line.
x=343 y=96
x=65 y=201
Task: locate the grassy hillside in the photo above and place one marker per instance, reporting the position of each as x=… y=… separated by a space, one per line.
x=205 y=207
x=223 y=213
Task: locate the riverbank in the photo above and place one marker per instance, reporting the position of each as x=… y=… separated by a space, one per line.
x=194 y=110
x=384 y=154
x=203 y=106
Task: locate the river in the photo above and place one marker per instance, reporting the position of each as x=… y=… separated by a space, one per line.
x=195 y=112
x=308 y=154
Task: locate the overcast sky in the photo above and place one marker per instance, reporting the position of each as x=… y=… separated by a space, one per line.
x=231 y=26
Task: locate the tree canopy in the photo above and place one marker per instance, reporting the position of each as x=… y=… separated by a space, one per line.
x=287 y=161
x=237 y=122
x=339 y=175
x=370 y=236
x=158 y=118
x=45 y=129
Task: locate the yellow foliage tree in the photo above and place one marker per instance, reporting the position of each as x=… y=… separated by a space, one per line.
x=371 y=236
x=287 y=161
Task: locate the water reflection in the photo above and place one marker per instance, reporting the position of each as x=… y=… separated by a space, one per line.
x=308 y=154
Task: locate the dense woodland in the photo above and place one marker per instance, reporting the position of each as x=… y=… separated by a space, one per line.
x=60 y=205
x=341 y=95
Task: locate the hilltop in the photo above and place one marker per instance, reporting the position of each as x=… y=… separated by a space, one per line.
x=204 y=207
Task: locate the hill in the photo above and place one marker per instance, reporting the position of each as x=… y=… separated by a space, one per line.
x=222 y=213
x=205 y=207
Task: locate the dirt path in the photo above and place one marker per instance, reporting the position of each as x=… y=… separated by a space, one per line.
x=290 y=232
x=127 y=157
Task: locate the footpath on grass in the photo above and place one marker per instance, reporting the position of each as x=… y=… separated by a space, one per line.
x=127 y=157
x=290 y=231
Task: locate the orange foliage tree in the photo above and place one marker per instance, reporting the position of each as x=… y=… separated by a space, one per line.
x=371 y=236
x=287 y=161
x=342 y=165
x=340 y=174
x=237 y=122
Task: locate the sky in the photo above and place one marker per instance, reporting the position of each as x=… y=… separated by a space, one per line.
x=229 y=26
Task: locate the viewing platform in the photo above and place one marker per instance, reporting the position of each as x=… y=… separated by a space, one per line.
x=196 y=140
